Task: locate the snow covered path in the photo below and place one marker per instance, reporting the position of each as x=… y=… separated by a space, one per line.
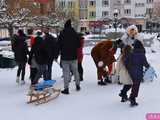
x=93 y=102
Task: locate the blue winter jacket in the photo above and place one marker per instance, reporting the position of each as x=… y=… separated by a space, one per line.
x=135 y=62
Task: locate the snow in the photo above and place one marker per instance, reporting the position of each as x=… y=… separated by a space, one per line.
x=93 y=102
x=113 y=30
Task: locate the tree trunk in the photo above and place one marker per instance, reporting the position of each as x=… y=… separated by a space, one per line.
x=10 y=30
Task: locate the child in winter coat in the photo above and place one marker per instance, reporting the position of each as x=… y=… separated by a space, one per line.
x=123 y=74
x=134 y=64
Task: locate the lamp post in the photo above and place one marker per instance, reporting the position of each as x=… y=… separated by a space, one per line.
x=115 y=14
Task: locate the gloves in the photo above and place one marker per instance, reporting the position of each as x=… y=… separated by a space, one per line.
x=100 y=64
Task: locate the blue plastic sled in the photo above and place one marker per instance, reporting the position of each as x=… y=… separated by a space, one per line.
x=44 y=84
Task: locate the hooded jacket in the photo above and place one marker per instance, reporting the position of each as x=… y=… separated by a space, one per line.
x=68 y=42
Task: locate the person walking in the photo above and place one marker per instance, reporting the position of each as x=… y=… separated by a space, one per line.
x=134 y=64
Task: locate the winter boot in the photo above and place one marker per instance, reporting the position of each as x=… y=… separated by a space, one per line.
x=78 y=88
x=65 y=91
x=81 y=77
x=133 y=102
x=17 y=80
x=107 y=80
x=101 y=83
x=124 y=97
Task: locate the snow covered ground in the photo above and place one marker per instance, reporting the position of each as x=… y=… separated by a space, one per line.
x=93 y=102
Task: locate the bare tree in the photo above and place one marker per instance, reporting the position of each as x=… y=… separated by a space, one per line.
x=9 y=19
x=54 y=19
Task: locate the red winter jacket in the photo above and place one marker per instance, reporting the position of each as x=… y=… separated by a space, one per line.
x=80 y=50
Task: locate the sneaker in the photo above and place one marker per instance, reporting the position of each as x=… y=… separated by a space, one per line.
x=22 y=82
x=17 y=80
x=78 y=88
x=65 y=91
x=101 y=83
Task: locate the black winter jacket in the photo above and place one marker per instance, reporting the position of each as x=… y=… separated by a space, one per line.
x=50 y=43
x=39 y=51
x=68 y=43
x=20 y=49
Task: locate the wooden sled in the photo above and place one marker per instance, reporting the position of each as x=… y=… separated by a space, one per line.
x=43 y=92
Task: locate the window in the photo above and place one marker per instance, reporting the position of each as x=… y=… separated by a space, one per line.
x=139 y=4
x=62 y=4
x=83 y=14
x=105 y=3
x=83 y=4
x=105 y=13
x=92 y=3
x=149 y=10
x=127 y=11
x=70 y=4
x=92 y=14
x=149 y=1
x=127 y=1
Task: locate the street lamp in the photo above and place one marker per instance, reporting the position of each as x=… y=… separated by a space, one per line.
x=115 y=14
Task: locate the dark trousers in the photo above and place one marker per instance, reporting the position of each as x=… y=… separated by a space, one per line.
x=33 y=73
x=41 y=70
x=21 y=69
x=125 y=89
x=80 y=70
x=49 y=70
x=135 y=89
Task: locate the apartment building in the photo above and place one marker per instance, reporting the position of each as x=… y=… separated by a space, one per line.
x=131 y=11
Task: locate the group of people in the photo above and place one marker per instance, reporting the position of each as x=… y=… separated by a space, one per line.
x=129 y=65
x=44 y=50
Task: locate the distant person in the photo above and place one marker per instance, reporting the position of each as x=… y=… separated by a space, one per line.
x=20 y=49
x=31 y=37
x=80 y=56
x=68 y=43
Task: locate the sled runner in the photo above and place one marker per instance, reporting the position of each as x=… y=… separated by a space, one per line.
x=43 y=92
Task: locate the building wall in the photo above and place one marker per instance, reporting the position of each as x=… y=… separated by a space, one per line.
x=101 y=9
x=92 y=10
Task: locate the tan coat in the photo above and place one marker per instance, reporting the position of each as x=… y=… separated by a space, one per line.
x=102 y=52
x=124 y=76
